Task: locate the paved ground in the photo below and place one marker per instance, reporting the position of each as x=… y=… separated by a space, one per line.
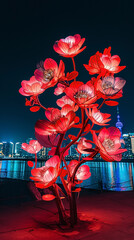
x=103 y=216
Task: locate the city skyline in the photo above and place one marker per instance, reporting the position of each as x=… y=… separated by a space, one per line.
x=14 y=150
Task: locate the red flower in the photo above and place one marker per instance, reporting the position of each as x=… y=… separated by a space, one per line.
x=66 y=101
x=109 y=143
x=83 y=146
x=97 y=117
x=31 y=87
x=60 y=89
x=62 y=119
x=110 y=85
x=82 y=94
x=70 y=46
x=59 y=121
x=83 y=171
x=46 y=175
x=47 y=140
x=44 y=127
x=104 y=63
x=49 y=73
x=33 y=146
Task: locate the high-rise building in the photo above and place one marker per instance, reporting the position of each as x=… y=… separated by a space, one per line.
x=42 y=153
x=119 y=124
x=132 y=143
x=18 y=149
x=47 y=151
x=128 y=146
x=8 y=149
x=1 y=149
x=73 y=152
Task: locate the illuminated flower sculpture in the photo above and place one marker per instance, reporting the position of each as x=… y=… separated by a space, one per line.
x=60 y=89
x=83 y=146
x=70 y=46
x=82 y=94
x=59 y=121
x=52 y=132
x=97 y=117
x=110 y=85
x=82 y=173
x=33 y=147
x=47 y=175
x=109 y=144
x=48 y=72
x=104 y=64
x=31 y=87
x=67 y=101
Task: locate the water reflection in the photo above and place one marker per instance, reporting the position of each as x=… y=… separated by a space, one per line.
x=116 y=176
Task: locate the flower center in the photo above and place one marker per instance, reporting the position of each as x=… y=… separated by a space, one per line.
x=70 y=41
x=48 y=75
x=82 y=94
x=108 y=144
x=106 y=85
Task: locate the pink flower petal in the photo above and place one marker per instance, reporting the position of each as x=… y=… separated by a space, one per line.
x=83 y=172
x=52 y=162
x=49 y=63
x=63 y=46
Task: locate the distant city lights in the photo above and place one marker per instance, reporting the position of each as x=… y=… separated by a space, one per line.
x=13 y=150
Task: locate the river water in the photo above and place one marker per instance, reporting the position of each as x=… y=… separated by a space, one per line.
x=116 y=176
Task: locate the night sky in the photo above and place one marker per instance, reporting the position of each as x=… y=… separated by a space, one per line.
x=29 y=29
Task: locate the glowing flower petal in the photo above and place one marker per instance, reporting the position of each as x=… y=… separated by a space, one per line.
x=33 y=146
x=47 y=174
x=83 y=171
x=109 y=143
x=81 y=94
x=82 y=146
x=70 y=46
x=97 y=117
x=49 y=73
x=31 y=87
x=110 y=85
x=104 y=64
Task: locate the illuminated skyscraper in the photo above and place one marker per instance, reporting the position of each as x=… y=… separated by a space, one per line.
x=132 y=143
x=8 y=149
x=128 y=145
x=119 y=124
x=47 y=151
x=73 y=151
x=42 y=153
x=18 y=149
x=1 y=149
